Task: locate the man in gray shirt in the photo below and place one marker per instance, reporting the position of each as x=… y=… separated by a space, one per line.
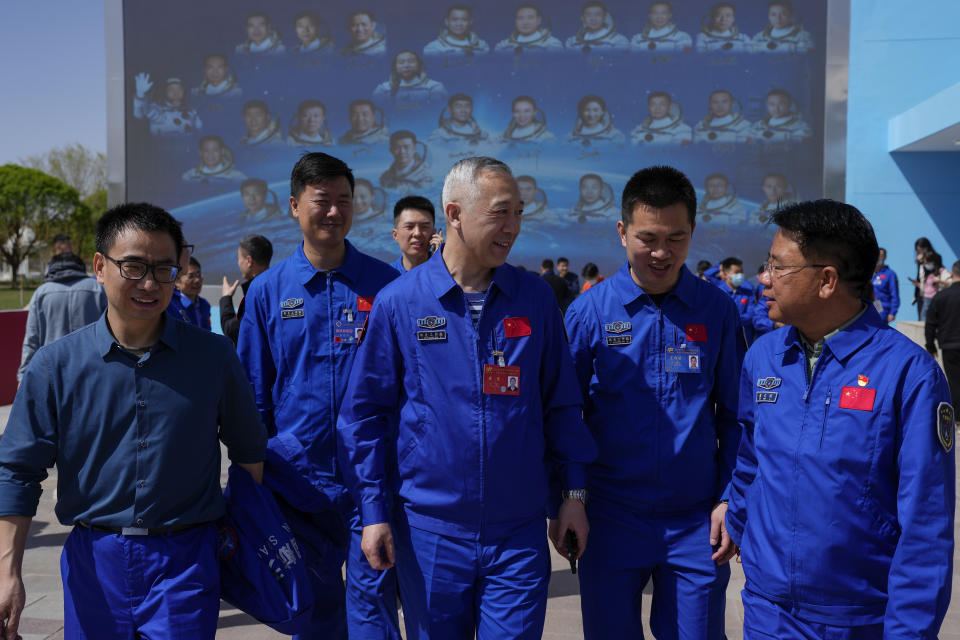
x=68 y=300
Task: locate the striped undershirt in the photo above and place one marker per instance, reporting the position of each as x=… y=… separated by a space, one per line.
x=475 y=305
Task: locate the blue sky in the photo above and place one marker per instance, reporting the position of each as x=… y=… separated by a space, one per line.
x=53 y=74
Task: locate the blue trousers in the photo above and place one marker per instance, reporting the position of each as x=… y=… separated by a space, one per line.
x=765 y=620
x=452 y=587
x=151 y=587
x=689 y=590
x=367 y=606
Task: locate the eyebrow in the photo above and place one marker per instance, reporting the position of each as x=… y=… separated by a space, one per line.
x=144 y=260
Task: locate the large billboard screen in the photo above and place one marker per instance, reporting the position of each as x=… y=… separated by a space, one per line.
x=223 y=97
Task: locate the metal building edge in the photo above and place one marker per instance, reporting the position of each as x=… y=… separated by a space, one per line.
x=116 y=103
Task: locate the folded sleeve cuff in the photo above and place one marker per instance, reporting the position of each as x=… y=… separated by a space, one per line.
x=373 y=513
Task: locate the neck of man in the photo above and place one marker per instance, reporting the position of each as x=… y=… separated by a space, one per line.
x=463 y=269
x=829 y=317
x=255 y=270
x=325 y=258
x=414 y=260
x=135 y=334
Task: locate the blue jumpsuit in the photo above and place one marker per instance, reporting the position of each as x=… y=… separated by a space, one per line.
x=668 y=435
x=843 y=496
x=453 y=444
x=298 y=339
x=887 y=290
x=760 y=314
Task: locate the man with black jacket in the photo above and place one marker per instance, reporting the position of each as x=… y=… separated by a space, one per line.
x=253 y=258
x=558 y=284
x=943 y=328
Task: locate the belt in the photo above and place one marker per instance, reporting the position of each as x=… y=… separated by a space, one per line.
x=141 y=531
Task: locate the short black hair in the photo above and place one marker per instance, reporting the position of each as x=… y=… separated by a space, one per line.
x=783 y=93
x=257 y=14
x=314 y=17
x=702 y=267
x=591 y=4
x=590 y=270
x=459 y=97
x=361 y=12
x=414 y=202
x=460 y=7
x=216 y=139
x=314 y=168
x=141 y=216
x=956 y=267
x=255 y=104
x=833 y=233
x=562 y=259
x=61 y=237
x=195 y=263
x=547 y=263
x=659 y=94
x=362 y=102
x=259 y=183
x=309 y=104
x=528 y=6
x=532 y=102
x=258 y=248
x=658 y=187
x=732 y=261
x=401 y=135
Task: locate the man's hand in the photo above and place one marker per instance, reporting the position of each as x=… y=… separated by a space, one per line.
x=718 y=534
x=12 y=600
x=255 y=469
x=13 y=538
x=377 y=545
x=228 y=289
x=436 y=240
x=890 y=317
x=572 y=516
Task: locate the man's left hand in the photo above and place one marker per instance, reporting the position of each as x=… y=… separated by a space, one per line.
x=718 y=533
x=573 y=517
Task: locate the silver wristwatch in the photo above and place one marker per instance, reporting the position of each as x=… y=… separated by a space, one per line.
x=579 y=494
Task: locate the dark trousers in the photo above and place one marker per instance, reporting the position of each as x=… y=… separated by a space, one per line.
x=951 y=366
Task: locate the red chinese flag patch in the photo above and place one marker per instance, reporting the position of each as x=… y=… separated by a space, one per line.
x=857 y=398
x=516 y=327
x=364 y=303
x=696 y=332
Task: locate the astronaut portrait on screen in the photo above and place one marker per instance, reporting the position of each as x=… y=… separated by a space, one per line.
x=598 y=31
x=456 y=123
x=664 y=124
x=216 y=163
x=535 y=206
x=254 y=193
x=457 y=37
x=596 y=200
x=169 y=115
x=724 y=121
x=368 y=201
x=782 y=123
x=720 y=205
x=594 y=125
x=313 y=34
x=262 y=38
x=777 y=193
x=366 y=40
x=661 y=32
x=218 y=80
x=367 y=125
x=719 y=32
x=783 y=33
x=262 y=127
x=410 y=170
x=308 y=128
x=408 y=86
x=528 y=125
x=529 y=33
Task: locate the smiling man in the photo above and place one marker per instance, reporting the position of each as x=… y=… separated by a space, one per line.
x=298 y=337
x=131 y=409
x=414 y=231
x=461 y=405
x=657 y=352
x=842 y=500
x=457 y=38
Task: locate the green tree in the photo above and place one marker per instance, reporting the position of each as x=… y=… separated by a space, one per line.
x=33 y=208
x=79 y=167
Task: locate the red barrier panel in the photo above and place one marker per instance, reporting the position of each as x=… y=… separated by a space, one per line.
x=13 y=326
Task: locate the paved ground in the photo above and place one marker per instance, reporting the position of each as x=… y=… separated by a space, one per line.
x=43 y=615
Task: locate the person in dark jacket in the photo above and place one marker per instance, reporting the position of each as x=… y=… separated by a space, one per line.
x=558 y=284
x=943 y=328
x=253 y=258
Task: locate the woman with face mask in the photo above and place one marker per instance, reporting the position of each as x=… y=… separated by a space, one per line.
x=931 y=277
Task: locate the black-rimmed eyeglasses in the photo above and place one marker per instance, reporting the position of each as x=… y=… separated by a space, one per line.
x=137 y=269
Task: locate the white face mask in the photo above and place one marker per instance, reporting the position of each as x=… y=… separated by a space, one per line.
x=736 y=279
x=928 y=266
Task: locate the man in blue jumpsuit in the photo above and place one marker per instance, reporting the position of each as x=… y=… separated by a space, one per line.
x=731 y=279
x=414 y=231
x=462 y=403
x=131 y=409
x=842 y=499
x=885 y=288
x=657 y=352
x=298 y=338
